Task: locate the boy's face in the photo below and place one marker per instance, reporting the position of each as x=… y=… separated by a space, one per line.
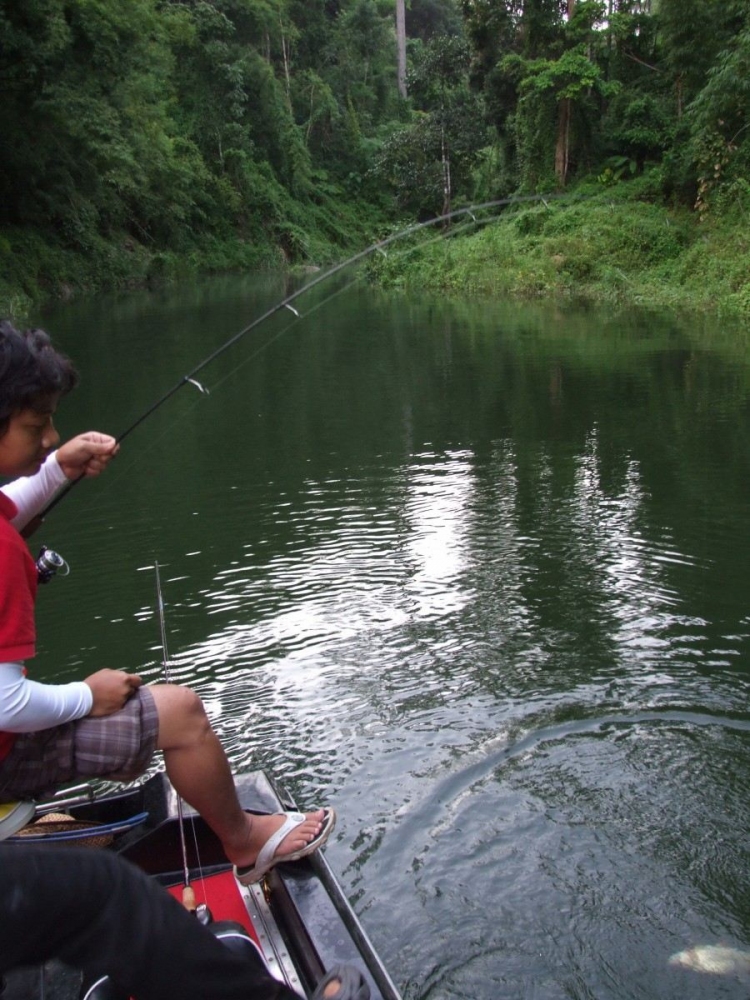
x=29 y=438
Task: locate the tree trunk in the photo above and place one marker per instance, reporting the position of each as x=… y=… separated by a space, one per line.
x=446 y=174
x=401 y=46
x=287 y=73
x=562 y=146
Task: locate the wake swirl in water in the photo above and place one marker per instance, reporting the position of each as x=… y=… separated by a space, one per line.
x=480 y=579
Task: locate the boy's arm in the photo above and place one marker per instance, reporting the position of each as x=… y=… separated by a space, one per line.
x=28 y=706
x=30 y=494
x=85 y=455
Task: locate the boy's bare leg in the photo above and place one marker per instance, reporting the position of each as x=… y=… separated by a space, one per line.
x=199 y=770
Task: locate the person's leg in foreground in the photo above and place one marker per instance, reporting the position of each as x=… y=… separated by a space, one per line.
x=98 y=913
x=120 y=747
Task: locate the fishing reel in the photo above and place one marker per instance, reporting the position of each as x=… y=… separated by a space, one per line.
x=49 y=564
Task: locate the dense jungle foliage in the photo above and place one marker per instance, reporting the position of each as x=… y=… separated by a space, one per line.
x=146 y=138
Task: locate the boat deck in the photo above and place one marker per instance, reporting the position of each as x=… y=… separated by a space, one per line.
x=298 y=913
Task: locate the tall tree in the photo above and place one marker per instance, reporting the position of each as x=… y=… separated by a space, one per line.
x=719 y=120
x=564 y=115
x=401 y=46
x=430 y=159
x=691 y=33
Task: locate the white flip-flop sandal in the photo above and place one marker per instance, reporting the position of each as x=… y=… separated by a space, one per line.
x=268 y=859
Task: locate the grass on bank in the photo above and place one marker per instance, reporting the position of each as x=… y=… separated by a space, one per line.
x=34 y=269
x=617 y=247
x=603 y=249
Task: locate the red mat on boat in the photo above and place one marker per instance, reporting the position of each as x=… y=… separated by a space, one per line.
x=222 y=896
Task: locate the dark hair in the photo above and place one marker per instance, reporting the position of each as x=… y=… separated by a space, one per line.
x=31 y=371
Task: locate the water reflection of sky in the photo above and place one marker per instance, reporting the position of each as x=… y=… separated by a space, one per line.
x=439 y=495
x=446 y=546
x=369 y=570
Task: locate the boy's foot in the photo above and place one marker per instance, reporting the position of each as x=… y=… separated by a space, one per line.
x=282 y=837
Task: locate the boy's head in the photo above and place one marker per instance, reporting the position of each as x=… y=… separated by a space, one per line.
x=33 y=377
x=32 y=373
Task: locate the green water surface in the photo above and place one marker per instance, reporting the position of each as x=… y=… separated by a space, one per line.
x=474 y=573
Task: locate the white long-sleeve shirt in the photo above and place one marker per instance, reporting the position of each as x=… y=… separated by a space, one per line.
x=31 y=494
x=27 y=706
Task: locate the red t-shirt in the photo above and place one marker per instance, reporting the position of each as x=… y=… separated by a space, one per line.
x=18 y=583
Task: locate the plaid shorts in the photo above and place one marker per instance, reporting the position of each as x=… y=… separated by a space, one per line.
x=117 y=746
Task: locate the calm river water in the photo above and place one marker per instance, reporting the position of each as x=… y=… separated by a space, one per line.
x=474 y=573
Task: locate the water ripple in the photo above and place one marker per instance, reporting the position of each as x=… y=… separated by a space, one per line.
x=491 y=602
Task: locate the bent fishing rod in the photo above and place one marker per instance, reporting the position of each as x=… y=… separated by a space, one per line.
x=286 y=303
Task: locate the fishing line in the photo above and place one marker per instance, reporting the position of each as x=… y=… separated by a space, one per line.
x=277 y=336
x=286 y=303
x=201 y=872
x=188 y=895
x=124 y=470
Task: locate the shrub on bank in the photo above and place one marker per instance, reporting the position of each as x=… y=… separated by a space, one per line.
x=603 y=248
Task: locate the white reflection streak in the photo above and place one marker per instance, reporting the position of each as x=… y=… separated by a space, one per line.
x=348 y=583
x=630 y=567
x=308 y=600
x=436 y=509
x=608 y=524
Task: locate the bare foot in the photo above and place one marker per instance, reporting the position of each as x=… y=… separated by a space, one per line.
x=260 y=828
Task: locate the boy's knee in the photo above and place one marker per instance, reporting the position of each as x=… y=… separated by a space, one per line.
x=176 y=703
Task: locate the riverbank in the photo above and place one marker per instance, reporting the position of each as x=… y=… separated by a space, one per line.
x=592 y=249
x=34 y=269
x=602 y=249
x=39 y=267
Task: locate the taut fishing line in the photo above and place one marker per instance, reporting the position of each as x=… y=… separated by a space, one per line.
x=188 y=893
x=286 y=303
x=123 y=470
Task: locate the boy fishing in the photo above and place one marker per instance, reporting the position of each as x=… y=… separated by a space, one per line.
x=108 y=725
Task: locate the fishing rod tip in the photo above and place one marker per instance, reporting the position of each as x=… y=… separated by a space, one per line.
x=198 y=386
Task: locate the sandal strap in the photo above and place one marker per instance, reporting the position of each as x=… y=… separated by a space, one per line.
x=267 y=851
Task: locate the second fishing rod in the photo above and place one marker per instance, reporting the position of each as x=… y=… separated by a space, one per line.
x=471 y=212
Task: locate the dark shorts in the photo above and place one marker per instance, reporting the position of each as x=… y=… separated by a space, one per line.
x=117 y=746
